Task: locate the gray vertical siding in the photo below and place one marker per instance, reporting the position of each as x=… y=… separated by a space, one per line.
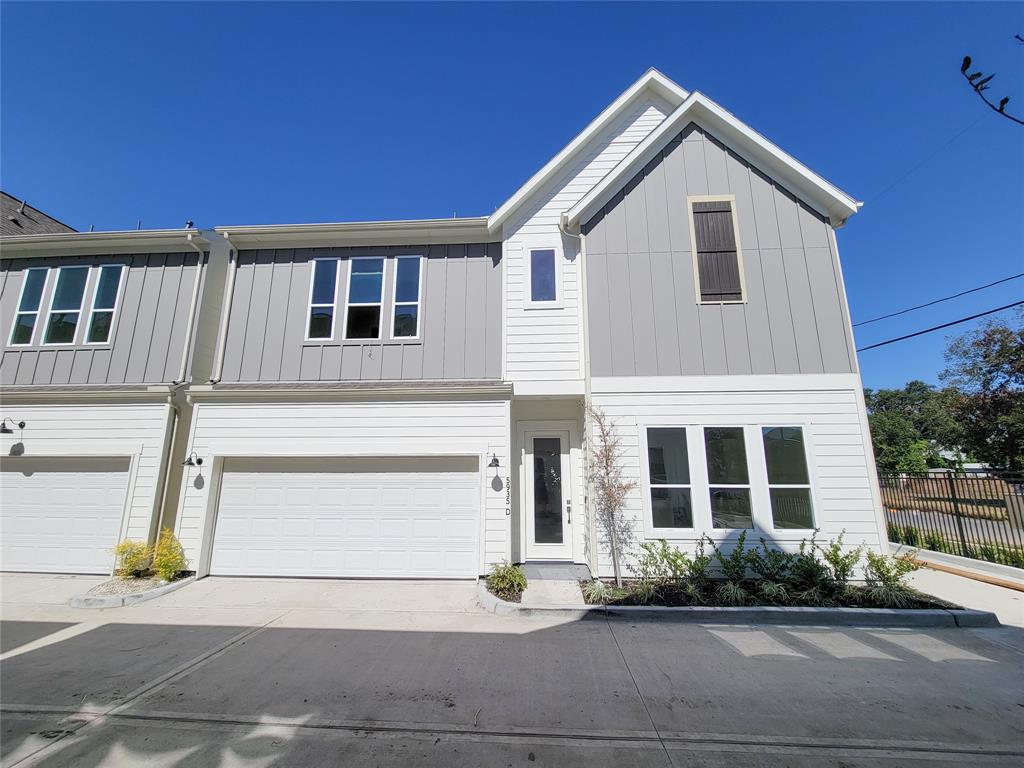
x=460 y=319
x=642 y=307
x=150 y=325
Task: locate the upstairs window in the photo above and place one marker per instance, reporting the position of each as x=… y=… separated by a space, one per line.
x=406 y=319
x=28 y=306
x=717 y=262
x=104 y=303
x=789 y=485
x=365 y=289
x=322 y=293
x=543 y=279
x=728 y=479
x=66 y=305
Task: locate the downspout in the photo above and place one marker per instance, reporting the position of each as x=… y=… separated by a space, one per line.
x=229 y=288
x=170 y=439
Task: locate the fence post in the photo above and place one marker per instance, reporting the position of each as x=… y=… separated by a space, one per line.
x=956 y=514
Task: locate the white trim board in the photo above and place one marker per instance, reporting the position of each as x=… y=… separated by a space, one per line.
x=729 y=383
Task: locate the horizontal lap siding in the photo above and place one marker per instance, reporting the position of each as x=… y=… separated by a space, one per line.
x=347 y=429
x=837 y=450
x=150 y=324
x=98 y=430
x=547 y=344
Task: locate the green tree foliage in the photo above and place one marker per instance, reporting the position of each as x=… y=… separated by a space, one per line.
x=898 y=444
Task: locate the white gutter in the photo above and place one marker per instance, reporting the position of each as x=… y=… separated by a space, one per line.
x=96 y=243
x=191 y=311
x=229 y=292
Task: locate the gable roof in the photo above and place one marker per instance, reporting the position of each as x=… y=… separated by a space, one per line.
x=19 y=218
x=651 y=80
x=820 y=194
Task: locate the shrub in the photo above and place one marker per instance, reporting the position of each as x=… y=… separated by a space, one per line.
x=733 y=565
x=885 y=577
x=659 y=562
x=132 y=558
x=644 y=592
x=770 y=564
x=911 y=536
x=935 y=542
x=697 y=567
x=169 y=557
x=895 y=533
x=506 y=581
x=840 y=564
x=807 y=572
x=732 y=593
x=773 y=591
x=596 y=591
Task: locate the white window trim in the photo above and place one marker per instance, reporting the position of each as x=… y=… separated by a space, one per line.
x=650 y=530
x=558 y=302
x=309 y=297
x=811 y=485
x=395 y=303
x=348 y=292
x=39 y=310
x=81 y=304
x=92 y=305
x=731 y=199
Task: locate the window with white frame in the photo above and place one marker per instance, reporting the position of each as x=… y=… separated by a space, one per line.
x=789 y=484
x=66 y=305
x=543 y=275
x=728 y=478
x=365 y=290
x=104 y=304
x=322 y=293
x=408 y=278
x=28 y=306
x=668 y=465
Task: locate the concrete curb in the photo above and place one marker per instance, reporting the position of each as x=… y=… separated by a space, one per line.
x=835 y=617
x=117 y=601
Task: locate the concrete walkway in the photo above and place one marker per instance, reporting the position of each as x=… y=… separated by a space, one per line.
x=1007 y=604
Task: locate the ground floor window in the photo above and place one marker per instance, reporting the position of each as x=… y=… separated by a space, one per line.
x=789 y=485
x=668 y=463
x=728 y=479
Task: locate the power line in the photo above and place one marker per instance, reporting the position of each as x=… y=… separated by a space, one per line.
x=940 y=327
x=938 y=301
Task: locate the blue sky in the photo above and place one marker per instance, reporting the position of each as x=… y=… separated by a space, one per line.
x=268 y=113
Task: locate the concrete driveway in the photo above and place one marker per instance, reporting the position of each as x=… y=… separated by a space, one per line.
x=263 y=673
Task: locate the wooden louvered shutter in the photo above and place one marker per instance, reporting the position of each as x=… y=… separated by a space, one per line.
x=717 y=263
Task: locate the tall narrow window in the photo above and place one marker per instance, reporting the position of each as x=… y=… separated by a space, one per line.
x=668 y=465
x=728 y=479
x=719 y=272
x=407 y=297
x=104 y=302
x=28 y=305
x=322 y=292
x=365 y=288
x=543 y=281
x=66 y=305
x=788 y=482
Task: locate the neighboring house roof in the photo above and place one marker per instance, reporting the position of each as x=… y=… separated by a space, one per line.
x=825 y=197
x=89 y=243
x=652 y=80
x=19 y=218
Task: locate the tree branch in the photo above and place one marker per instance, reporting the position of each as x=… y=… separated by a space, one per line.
x=979 y=84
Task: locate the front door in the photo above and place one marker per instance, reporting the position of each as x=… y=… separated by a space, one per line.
x=548 y=507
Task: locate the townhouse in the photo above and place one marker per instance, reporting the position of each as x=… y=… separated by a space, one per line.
x=409 y=398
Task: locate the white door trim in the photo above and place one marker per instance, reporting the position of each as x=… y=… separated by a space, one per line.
x=567 y=431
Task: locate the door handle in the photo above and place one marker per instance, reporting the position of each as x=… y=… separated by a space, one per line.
x=568 y=510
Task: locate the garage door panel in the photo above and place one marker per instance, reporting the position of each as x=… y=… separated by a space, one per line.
x=339 y=522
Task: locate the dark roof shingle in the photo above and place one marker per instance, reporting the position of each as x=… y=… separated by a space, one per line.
x=18 y=218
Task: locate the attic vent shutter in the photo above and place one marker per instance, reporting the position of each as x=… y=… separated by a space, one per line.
x=717 y=262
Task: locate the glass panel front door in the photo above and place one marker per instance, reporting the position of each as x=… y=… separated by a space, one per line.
x=549 y=508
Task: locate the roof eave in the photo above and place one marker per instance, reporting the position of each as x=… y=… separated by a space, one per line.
x=101 y=243
x=412 y=232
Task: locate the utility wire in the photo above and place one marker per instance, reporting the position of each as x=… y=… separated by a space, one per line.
x=939 y=327
x=938 y=301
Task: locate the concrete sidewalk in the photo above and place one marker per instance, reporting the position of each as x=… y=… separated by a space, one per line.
x=1006 y=604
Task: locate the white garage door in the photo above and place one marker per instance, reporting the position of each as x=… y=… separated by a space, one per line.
x=398 y=517
x=61 y=515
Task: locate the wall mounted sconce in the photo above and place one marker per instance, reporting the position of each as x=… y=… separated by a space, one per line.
x=5 y=430
x=192 y=461
x=494 y=461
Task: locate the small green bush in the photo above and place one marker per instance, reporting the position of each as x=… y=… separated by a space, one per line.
x=732 y=593
x=169 y=557
x=770 y=564
x=733 y=565
x=911 y=536
x=660 y=562
x=935 y=542
x=840 y=564
x=888 y=571
x=506 y=581
x=132 y=558
x=895 y=533
x=773 y=591
x=807 y=572
x=596 y=591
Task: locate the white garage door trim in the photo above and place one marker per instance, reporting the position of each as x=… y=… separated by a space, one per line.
x=402 y=517
x=70 y=518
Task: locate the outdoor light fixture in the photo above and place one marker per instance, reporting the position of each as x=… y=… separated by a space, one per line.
x=494 y=461
x=5 y=430
x=192 y=461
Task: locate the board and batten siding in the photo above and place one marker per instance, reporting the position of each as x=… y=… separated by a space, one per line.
x=460 y=319
x=546 y=344
x=150 y=324
x=132 y=431
x=644 y=319
x=337 y=430
x=838 y=450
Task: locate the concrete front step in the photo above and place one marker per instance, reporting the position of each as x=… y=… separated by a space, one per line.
x=553 y=592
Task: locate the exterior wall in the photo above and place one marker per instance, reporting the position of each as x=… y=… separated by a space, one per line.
x=150 y=324
x=644 y=319
x=136 y=431
x=844 y=486
x=393 y=428
x=460 y=317
x=545 y=346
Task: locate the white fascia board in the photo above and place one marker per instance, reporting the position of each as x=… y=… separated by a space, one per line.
x=415 y=232
x=776 y=382
x=822 y=195
x=82 y=396
x=440 y=392
x=652 y=79
x=102 y=243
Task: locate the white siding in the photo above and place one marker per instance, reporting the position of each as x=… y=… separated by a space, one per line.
x=844 y=487
x=463 y=428
x=133 y=431
x=546 y=345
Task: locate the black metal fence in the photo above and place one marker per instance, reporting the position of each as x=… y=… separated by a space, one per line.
x=961 y=514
